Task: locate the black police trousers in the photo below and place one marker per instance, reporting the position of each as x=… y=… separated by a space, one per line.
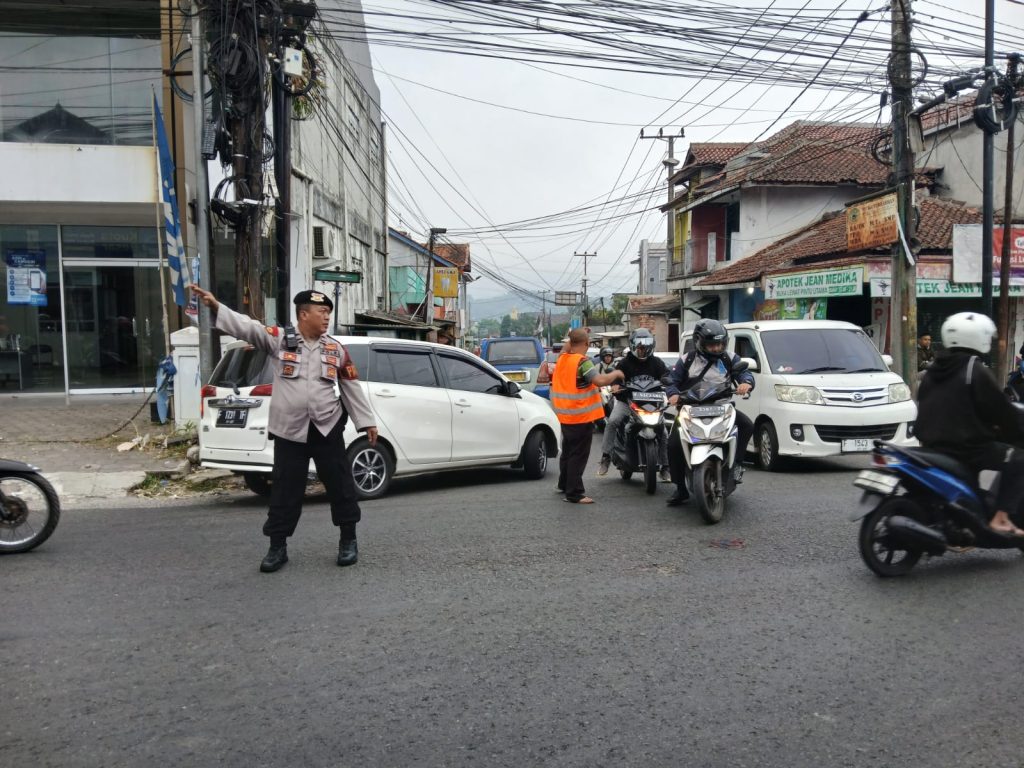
x=288 y=482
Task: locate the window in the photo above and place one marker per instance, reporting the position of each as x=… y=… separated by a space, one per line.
x=409 y=367
x=745 y=348
x=820 y=350
x=464 y=375
x=512 y=352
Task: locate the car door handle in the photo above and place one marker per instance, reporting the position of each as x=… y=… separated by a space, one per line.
x=464 y=404
x=386 y=393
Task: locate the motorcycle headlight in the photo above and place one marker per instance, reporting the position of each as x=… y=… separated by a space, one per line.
x=898 y=392
x=650 y=419
x=793 y=394
x=720 y=431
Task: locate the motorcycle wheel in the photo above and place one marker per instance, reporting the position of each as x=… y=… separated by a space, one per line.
x=651 y=466
x=709 y=496
x=885 y=557
x=29 y=511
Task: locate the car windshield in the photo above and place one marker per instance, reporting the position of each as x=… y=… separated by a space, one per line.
x=821 y=350
x=512 y=352
x=242 y=367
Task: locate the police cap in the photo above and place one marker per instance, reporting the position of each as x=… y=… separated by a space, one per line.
x=316 y=298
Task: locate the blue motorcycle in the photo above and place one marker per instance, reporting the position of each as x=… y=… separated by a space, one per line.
x=918 y=502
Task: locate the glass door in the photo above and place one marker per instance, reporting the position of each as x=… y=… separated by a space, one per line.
x=114 y=325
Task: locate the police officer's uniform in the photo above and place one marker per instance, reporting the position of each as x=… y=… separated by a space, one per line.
x=315 y=391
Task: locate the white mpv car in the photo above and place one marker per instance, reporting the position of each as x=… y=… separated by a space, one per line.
x=821 y=389
x=437 y=408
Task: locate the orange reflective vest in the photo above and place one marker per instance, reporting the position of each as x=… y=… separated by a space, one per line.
x=571 y=404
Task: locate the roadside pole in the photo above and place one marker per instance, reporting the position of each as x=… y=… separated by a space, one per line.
x=207 y=351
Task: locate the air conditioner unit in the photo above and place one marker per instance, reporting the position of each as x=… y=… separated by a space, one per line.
x=323 y=243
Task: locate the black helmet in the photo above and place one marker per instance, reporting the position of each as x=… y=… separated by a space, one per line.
x=709 y=331
x=607 y=351
x=641 y=339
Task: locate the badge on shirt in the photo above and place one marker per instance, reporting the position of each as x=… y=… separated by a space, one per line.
x=330 y=373
x=332 y=360
x=273 y=330
x=289 y=371
x=331 y=348
x=290 y=357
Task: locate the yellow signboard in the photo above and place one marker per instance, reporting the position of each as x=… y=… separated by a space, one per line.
x=872 y=223
x=446 y=282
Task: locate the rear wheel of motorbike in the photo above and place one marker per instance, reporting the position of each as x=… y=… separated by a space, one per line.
x=257 y=482
x=707 y=493
x=882 y=555
x=651 y=466
x=29 y=511
x=766 y=440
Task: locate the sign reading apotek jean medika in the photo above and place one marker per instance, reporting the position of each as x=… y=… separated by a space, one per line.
x=809 y=285
x=872 y=223
x=26 y=277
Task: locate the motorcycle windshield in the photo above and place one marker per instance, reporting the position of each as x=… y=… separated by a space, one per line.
x=706 y=392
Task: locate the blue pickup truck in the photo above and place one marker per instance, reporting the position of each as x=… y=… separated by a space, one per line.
x=519 y=358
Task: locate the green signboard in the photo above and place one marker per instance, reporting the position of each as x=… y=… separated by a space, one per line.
x=337 y=276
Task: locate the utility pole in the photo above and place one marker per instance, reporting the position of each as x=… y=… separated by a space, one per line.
x=586 y=306
x=428 y=313
x=207 y=349
x=281 y=108
x=670 y=163
x=988 y=169
x=903 y=304
x=1004 y=331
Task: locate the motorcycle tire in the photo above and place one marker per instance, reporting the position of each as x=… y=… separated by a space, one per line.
x=29 y=511
x=881 y=555
x=651 y=466
x=707 y=493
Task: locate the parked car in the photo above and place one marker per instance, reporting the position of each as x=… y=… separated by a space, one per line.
x=437 y=408
x=821 y=389
x=519 y=358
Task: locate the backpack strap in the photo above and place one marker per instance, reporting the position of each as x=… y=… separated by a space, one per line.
x=970 y=370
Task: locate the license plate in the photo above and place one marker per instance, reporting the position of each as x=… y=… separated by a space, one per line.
x=648 y=397
x=517 y=376
x=703 y=411
x=232 y=417
x=858 y=445
x=876 y=482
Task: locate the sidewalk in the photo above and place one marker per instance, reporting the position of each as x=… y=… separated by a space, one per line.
x=75 y=445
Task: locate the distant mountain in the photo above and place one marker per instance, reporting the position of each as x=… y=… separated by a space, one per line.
x=498 y=306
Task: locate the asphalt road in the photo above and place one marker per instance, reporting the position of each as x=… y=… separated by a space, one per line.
x=489 y=623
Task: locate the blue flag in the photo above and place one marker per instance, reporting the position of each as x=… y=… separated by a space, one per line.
x=172 y=223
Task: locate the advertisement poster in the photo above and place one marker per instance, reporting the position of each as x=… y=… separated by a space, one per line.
x=967 y=253
x=26 y=277
x=872 y=223
x=792 y=309
x=446 y=282
x=810 y=285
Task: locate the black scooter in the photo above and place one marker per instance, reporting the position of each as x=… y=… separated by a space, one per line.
x=636 y=447
x=29 y=507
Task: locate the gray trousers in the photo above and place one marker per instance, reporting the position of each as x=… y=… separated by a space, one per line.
x=616 y=422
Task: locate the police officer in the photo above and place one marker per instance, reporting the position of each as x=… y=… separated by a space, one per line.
x=315 y=391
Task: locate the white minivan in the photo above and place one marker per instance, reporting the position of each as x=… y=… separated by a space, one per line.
x=821 y=389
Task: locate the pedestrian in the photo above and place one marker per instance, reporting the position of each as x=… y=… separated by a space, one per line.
x=925 y=353
x=576 y=401
x=316 y=390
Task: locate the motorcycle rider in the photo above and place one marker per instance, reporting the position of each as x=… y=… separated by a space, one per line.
x=962 y=412
x=606 y=360
x=638 y=361
x=708 y=362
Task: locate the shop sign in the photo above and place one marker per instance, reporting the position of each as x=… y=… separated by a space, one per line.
x=872 y=223
x=810 y=285
x=26 y=277
x=881 y=287
x=792 y=309
x=967 y=253
x=446 y=282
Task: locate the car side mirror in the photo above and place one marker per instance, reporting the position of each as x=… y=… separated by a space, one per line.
x=887 y=359
x=747 y=364
x=512 y=388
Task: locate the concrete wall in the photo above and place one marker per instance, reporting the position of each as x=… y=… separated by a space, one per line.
x=958 y=151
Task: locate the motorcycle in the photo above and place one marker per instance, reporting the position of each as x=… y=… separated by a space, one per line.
x=707 y=431
x=919 y=502
x=636 y=447
x=1015 y=384
x=29 y=507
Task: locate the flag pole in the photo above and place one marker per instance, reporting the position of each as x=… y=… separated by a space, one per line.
x=161 y=238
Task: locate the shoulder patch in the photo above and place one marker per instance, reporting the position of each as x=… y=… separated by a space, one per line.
x=272 y=330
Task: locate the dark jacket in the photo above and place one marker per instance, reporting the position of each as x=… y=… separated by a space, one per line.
x=925 y=356
x=632 y=366
x=680 y=379
x=959 y=414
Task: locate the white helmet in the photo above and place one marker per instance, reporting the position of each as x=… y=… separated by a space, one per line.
x=968 y=330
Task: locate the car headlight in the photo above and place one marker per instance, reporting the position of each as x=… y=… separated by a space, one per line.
x=898 y=392
x=793 y=394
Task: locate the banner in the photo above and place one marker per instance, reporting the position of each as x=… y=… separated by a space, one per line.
x=812 y=285
x=172 y=223
x=881 y=288
x=792 y=309
x=26 y=277
x=967 y=253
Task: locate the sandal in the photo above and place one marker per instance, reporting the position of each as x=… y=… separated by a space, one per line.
x=584 y=500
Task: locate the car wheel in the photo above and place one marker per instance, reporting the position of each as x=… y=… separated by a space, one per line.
x=534 y=457
x=767 y=442
x=372 y=469
x=257 y=482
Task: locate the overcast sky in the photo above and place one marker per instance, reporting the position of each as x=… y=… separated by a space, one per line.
x=508 y=165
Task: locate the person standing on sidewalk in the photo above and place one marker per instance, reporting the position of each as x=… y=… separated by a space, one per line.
x=577 y=404
x=316 y=390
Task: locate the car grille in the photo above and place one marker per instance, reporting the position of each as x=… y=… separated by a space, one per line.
x=855 y=397
x=836 y=434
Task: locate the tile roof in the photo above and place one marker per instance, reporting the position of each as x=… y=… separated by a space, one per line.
x=713 y=152
x=456 y=253
x=826 y=239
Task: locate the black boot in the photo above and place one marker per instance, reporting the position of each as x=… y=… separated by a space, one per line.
x=275 y=559
x=348 y=550
x=679 y=497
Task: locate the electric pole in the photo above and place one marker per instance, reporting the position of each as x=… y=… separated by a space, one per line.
x=586 y=306
x=428 y=314
x=988 y=168
x=903 y=304
x=670 y=163
x=1003 y=320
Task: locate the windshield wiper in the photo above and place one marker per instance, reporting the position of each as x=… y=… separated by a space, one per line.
x=824 y=368
x=866 y=370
